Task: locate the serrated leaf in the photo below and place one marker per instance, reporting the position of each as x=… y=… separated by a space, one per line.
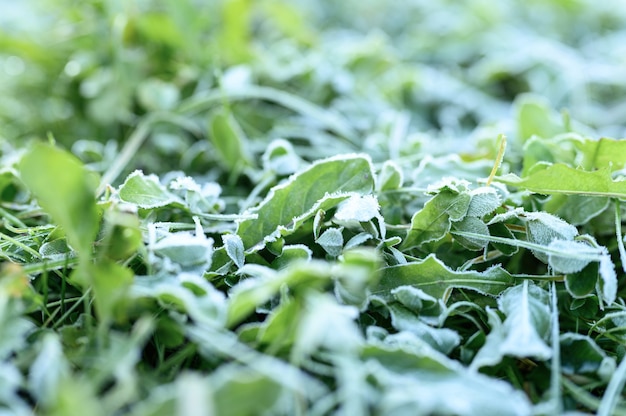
x=322 y=186
x=436 y=279
x=562 y=179
x=65 y=190
x=433 y=221
x=145 y=191
x=524 y=330
x=234 y=248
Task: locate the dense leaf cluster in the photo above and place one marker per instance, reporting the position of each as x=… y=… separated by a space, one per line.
x=273 y=208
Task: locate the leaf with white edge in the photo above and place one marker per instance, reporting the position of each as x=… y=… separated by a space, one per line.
x=441 y=339
x=183 y=247
x=234 y=248
x=290 y=253
x=323 y=185
x=542 y=228
x=65 y=189
x=328 y=324
x=579 y=209
x=608 y=279
x=472 y=225
x=145 y=191
x=484 y=201
x=331 y=241
x=359 y=208
x=524 y=330
x=579 y=254
x=255 y=291
x=433 y=221
x=281 y=158
x=562 y=179
x=437 y=280
x=390 y=177
x=358 y=240
x=581 y=355
x=581 y=284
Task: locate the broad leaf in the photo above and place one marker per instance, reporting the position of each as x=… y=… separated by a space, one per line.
x=562 y=179
x=322 y=186
x=433 y=221
x=436 y=279
x=64 y=189
x=524 y=330
x=145 y=191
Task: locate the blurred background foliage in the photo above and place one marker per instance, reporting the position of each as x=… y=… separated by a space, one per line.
x=402 y=76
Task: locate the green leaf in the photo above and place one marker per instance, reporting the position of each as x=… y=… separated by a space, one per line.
x=581 y=355
x=436 y=279
x=535 y=117
x=234 y=248
x=484 y=201
x=241 y=392
x=145 y=191
x=65 y=190
x=441 y=339
x=581 y=284
x=524 y=330
x=543 y=228
x=390 y=177
x=229 y=141
x=331 y=241
x=472 y=225
x=562 y=179
x=322 y=186
x=433 y=221
x=111 y=283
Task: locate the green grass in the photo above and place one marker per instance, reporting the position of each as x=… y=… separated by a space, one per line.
x=288 y=208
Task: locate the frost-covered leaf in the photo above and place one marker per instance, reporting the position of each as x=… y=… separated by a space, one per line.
x=234 y=248
x=562 y=179
x=441 y=339
x=581 y=355
x=542 y=228
x=484 y=201
x=390 y=177
x=145 y=191
x=524 y=330
x=433 y=222
x=281 y=158
x=359 y=208
x=578 y=256
x=436 y=279
x=322 y=186
x=331 y=241
x=473 y=225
